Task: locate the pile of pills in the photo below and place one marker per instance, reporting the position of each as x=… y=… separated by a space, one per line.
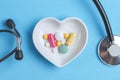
x=59 y=41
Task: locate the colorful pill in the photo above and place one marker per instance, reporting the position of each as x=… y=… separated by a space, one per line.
x=52 y=40
x=59 y=36
x=63 y=49
x=45 y=36
x=58 y=43
x=66 y=35
x=47 y=44
x=63 y=41
x=55 y=50
x=70 y=39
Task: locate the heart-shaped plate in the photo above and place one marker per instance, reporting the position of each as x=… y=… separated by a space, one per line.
x=52 y=25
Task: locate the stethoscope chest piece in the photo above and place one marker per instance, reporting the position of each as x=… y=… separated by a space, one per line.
x=108 y=52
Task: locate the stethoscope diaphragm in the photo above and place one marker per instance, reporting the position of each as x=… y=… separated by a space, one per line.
x=110 y=53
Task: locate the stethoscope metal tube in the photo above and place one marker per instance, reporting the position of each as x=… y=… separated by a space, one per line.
x=19 y=40
x=109 y=47
x=17 y=50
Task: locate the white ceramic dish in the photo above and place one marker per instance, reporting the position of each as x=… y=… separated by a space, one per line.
x=52 y=25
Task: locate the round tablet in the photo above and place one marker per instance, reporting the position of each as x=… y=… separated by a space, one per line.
x=66 y=35
x=45 y=36
x=58 y=43
x=63 y=49
x=59 y=36
x=63 y=41
x=47 y=44
x=55 y=50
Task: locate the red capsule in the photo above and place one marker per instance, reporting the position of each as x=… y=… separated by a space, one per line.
x=52 y=40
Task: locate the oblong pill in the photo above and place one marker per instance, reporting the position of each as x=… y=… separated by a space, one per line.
x=52 y=40
x=70 y=39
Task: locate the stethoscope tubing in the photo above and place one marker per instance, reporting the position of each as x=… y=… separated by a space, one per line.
x=105 y=20
x=18 y=43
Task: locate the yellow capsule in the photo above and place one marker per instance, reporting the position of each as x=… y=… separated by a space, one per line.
x=45 y=36
x=58 y=43
x=66 y=35
x=70 y=39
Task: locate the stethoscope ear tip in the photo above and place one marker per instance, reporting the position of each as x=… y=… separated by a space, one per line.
x=10 y=23
x=19 y=55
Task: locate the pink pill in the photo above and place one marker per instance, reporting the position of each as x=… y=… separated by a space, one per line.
x=52 y=40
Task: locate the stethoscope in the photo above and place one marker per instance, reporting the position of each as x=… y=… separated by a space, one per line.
x=109 y=47
x=17 y=50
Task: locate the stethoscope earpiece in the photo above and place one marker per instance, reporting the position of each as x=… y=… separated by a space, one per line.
x=10 y=23
x=18 y=55
x=109 y=47
x=18 y=52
